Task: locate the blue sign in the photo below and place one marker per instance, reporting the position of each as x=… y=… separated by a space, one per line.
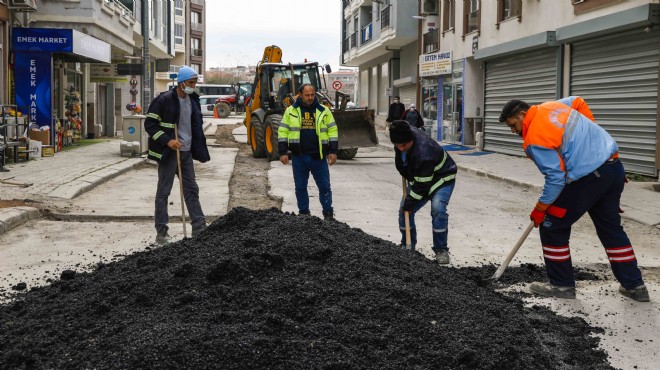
x=33 y=73
x=43 y=39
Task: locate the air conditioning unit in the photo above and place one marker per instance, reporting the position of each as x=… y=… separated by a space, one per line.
x=429 y=6
x=23 y=5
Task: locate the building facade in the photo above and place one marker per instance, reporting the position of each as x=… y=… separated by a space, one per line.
x=344 y=80
x=475 y=55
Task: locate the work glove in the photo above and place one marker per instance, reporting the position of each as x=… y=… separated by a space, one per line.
x=538 y=213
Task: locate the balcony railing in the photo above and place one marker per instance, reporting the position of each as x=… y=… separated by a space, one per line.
x=431 y=41
x=196 y=52
x=353 y=40
x=472 y=22
x=344 y=46
x=366 y=34
x=199 y=27
x=385 y=17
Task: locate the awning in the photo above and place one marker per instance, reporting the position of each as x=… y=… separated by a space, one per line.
x=77 y=45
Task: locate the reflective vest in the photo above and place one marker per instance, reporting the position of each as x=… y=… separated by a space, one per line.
x=288 y=134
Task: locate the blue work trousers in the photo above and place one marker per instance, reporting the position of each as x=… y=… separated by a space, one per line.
x=439 y=218
x=302 y=166
x=167 y=170
x=599 y=194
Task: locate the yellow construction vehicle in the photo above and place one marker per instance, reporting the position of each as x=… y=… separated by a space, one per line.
x=275 y=86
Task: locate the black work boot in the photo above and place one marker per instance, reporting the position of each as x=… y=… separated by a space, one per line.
x=328 y=216
x=639 y=294
x=549 y=290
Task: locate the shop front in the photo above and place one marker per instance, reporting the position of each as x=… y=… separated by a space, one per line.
x=49 y=78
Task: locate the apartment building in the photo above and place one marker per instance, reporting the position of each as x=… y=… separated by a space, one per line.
x=380 y=39
x=474 y=55
x=344 y=80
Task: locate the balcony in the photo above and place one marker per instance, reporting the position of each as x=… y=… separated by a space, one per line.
x=366 y=34
x=344 y=45
x=199 y=27
x=385 y=17
x=353 y=40
x=196 y=52
x=431 y=41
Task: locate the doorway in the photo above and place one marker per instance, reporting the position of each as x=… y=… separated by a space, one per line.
x=452 y=117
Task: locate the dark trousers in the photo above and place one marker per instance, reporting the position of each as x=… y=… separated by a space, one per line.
x=598 y=194
x=302 y=166
x=167 y=170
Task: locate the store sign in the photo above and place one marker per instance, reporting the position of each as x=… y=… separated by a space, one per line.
x=435 y=64
x=105 y=73
x=33 y=48
x=33 y=73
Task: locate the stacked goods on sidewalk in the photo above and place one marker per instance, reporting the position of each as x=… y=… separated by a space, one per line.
x=266 y=289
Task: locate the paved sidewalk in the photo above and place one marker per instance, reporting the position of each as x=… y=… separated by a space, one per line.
x=639 y=201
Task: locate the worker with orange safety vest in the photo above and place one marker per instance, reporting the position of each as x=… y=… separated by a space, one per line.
x=580 y=162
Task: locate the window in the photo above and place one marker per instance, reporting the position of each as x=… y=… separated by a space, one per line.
x=507 y=9
x=196 y=67
x=195 y=47
x=178 y=7
x=178 y=33
x=471 y=16
x=448 y=7
x=195 y=17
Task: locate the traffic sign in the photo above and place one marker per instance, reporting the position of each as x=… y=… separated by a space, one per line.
x=336 y=85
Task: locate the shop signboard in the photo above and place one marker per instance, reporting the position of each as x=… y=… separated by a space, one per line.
x=435 y=64
x=33 y=48
x=105 y=73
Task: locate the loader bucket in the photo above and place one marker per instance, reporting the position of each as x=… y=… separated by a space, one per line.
x=356 y=128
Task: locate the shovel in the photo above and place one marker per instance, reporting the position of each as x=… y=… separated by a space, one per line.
x=406 y=215
x=513 y=252
x=178 y=164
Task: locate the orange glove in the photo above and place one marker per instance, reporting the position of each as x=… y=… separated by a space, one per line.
x=538 y=213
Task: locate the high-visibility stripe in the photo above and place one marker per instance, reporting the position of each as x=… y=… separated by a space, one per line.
x=324 y=141
x=294 y=129
x=158 y=134
x=442 y=181
x=154 y=116
x=282 y=124
x=157 y=155
x=424 y=179
x=621 y=254
x=332 y=124
x=166 y=125
x=439 y=230
x=323 y=130
x=442 y=163
x=415 y=195
x=294 y=141
x=557 y=254
x=282 y=140
x=334 y=139
x=570 y=126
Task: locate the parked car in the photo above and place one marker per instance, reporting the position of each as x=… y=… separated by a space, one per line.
x=207 y=102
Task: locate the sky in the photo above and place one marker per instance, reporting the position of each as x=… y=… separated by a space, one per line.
x=238 y=30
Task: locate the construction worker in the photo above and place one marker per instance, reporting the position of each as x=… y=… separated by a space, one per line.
x=580 y=162
x=430 y=174
x=178 y=107
x=309 y=131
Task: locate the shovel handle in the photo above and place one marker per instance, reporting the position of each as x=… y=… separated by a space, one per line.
x=178 y=164
x=513 y=252
x=406 y=214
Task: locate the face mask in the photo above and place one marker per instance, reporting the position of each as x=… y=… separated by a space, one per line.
x=188 y=90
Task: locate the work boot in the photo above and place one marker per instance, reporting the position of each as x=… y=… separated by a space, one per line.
x=404 y=246
x=549 y=290
x=306 y=213
x=639 y=294
x=330 y=216
x=442 y=256
x=198 y=230
x=163 y=238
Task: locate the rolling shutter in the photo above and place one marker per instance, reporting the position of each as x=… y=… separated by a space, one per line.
x=531 y=77
x=618 y=77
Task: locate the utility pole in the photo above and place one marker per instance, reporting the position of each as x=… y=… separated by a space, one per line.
x=146 y=62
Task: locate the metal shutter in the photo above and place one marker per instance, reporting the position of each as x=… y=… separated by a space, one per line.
x=531 y=77
x=408 y=95
x=618 y=77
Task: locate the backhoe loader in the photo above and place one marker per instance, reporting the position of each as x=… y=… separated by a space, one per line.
x=275 y=86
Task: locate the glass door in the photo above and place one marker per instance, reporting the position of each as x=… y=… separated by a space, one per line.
x=430 y=108
x=452 y=113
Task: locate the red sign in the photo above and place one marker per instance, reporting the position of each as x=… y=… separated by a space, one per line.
x=336 y=85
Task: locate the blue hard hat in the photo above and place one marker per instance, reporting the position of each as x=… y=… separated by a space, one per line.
x=186 y=73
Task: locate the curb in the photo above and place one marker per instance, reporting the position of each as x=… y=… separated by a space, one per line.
x=16 y=216
x=93 y=179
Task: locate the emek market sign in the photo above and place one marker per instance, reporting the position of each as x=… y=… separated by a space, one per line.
x=435 y=64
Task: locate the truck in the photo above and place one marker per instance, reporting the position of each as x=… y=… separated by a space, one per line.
x=274 y=89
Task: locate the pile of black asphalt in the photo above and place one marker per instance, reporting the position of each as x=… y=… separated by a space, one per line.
x=266 y=289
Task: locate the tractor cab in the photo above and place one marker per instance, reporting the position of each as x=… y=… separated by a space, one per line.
x=279 y=89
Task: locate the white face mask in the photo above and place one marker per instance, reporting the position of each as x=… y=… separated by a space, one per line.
x=188 y=90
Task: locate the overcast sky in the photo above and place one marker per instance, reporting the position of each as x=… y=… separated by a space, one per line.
x=238 y=30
